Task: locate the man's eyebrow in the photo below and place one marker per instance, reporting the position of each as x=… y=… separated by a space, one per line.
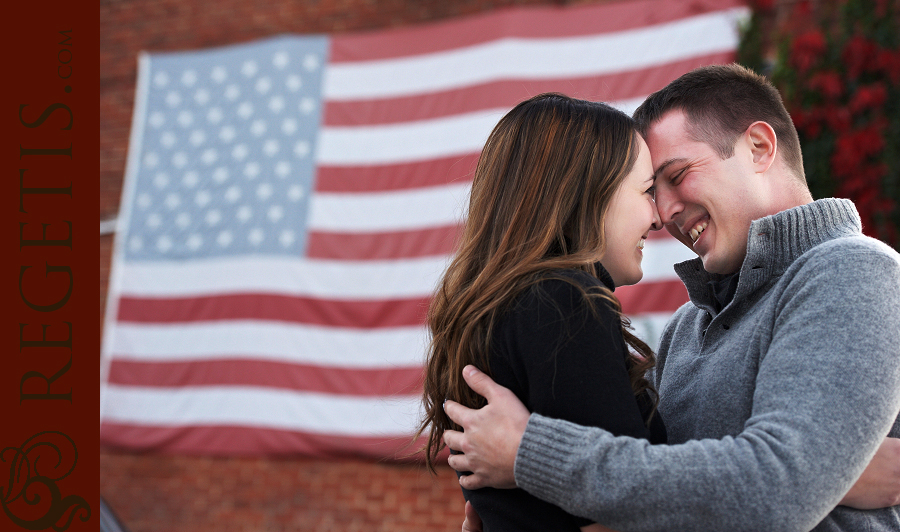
x=667 y=164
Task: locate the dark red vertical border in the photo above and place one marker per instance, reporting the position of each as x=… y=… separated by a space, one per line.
x=49 y=235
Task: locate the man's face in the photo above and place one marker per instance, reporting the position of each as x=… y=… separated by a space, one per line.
x=704 y=201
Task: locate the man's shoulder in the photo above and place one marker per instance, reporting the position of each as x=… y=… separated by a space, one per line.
x=850 y=249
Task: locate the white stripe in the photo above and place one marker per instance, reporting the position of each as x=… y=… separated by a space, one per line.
x=660 y=255
x=535 y=58
x=370 y=280
x=263 y=408
x=272 y=341
x=417 y=141
x=389 y=211
x=406 y=142
x=648 y=327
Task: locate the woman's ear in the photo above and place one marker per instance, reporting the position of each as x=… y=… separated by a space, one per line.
x=763 y=144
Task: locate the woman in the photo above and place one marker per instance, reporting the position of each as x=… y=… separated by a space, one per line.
x=561 y=204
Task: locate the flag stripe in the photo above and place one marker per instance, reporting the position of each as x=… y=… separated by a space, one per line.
x=505 y=93
x=438 y=241
x=388 y=177
x=331 y=313
x=518 y=58
x=535 y=22
x=386 y=381
x=230 y=440
x=262 y=407
x=351 y=348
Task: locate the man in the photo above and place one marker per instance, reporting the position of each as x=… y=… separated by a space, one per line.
x=777 y=382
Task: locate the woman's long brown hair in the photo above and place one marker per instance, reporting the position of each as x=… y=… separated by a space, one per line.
x=542 y=187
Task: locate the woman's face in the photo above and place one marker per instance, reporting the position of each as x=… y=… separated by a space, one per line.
x=630 y=218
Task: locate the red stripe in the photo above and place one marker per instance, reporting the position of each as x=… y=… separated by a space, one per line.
x=382 y=246
x=659 y=296
x=269 y=374
x=505 y=94
x=253 y=441
x=381 y=178
x=271 y=307
x=536 y=22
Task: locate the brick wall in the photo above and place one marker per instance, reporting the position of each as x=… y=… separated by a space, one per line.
x=181 y=493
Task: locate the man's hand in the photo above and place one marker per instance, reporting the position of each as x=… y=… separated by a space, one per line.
x=879 y=485
x=491 y=435
x=472 y=522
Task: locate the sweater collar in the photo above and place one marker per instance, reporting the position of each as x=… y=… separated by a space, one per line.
x=773 y=244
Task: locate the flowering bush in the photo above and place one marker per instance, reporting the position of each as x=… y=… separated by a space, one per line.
x=837 y=65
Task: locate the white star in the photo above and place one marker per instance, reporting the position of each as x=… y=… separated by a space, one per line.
x=213 y=217
x=197 y=137
x=220 y=175
x=233 y=194
x=245 y=109
x=173 y=200
x=209 y=156
x=280 y=59
x=294 y=82
x=310 y=62
x=154 y=221
x=157 y=119
x=201 y=96
x=183 y=220
x=307 y=105
x=263 y=85
x=276 y=104
x=173 y=98
x=301 y=149
x=249 y=68
x=270 y=147
x=286 y=238
x=189 y=78
x=224 y=239
x=244 y=213
x=219 y=74
x=289 y=126
x=256 y=236
x=180 y=159
x=202 y=198
x=282 y=169
x=264 y=191
x=240 y=152
x=232 y=92
x=251 y=170
x=161 y=79
x=276 y=212
x=258 y=127
x=194 y=242
x=295 y=192
x=151 y=159
x=164 y=244
x=161 y=180
x=215 y=115
x=227 y=133
x=167 y=139
x=136 y=243
x=185 y=118
x=191 y=179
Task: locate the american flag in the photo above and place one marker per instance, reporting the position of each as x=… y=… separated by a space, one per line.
x=290 y=204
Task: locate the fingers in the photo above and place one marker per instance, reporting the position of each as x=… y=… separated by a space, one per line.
x=473 y=521
x=459 y=462
x=472 y=482
x=481 y=383
x=457 y=413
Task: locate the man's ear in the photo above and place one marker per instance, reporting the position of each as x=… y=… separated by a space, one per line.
x=763 y=144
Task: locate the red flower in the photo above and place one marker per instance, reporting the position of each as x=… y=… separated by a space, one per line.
x=888 y=62
x=868 y=97
x=858 y=55
x=828 y=83
x=807 y=49
x=838 y=118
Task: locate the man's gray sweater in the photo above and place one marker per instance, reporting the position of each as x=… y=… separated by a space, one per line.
x=774 y=406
